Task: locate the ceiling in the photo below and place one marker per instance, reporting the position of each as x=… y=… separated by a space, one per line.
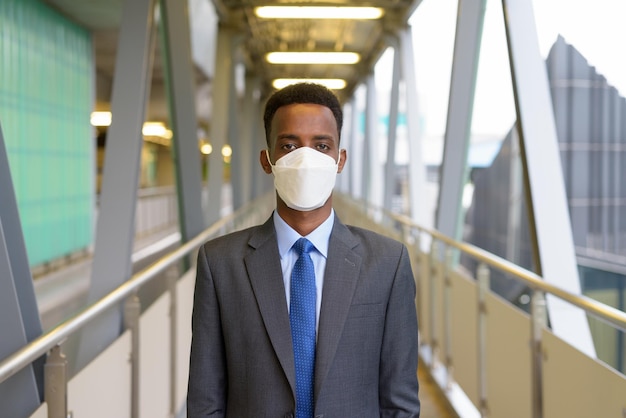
x=259 y=36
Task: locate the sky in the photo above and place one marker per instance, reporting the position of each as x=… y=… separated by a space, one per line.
x=596 y=29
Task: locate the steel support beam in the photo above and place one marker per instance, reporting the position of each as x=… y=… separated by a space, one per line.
x=343 y=181
x=417 y=175
x=370 y=162
x=180 y=78
x=354 y=167
x=116 y=220
x=20 y=324
x=394 y=101
x=220 y=120
x=549 y=217
x=251 y=142
x=454 y=170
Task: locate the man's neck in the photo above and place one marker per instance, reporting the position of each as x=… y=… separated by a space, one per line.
x=304 y=222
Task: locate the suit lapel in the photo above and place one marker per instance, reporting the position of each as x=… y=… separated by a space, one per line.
x=340 y=278
x=266 y=278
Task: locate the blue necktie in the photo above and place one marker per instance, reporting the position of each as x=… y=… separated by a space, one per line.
x=302 y=319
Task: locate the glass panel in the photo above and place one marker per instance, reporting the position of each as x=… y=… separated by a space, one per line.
x=434 y=28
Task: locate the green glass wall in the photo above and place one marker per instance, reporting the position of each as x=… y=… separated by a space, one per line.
x=46 y=93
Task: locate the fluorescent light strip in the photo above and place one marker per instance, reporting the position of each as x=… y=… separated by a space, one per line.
x=100 y=119
x=331 y=83
x=312 y=57
x=318 y=12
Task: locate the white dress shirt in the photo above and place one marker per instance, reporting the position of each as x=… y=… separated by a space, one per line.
x=286 y=237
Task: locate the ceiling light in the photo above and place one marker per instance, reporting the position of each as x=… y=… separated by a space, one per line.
x=317 y=12
x=206 y=148
x=156 y=129
x=312 y=57
x=100 y=119
x=331 y=83
x=227 y=151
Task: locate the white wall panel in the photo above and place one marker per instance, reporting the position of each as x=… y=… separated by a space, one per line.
x=102 y=389
x=464 y=306
x=508 y=360
x=154 y=366
x=183 y=338
x=577 y=386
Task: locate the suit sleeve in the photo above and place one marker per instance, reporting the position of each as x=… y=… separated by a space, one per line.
x=398 y=390
x=206 y=394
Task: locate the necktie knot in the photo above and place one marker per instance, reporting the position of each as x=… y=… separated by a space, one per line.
x=303 y=245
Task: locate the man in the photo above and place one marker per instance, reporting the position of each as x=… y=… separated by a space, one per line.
x=250 y=356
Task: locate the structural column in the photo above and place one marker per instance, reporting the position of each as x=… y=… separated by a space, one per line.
x=220 y=120
x=370 y=167
x=181 y=97
x=467 y=42
x=417 y=175
x=115 y=229
x=20 y=324
x=549 y=218
x=390 y=165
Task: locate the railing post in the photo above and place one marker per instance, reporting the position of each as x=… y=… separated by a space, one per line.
x=538 y=313
x=132 y=312
x=171 y=284
x=447 y=315
x=433 y=276
x=483 y=275
x=55 y=383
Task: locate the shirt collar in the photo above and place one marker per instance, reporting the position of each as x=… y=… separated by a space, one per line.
x=287 y=236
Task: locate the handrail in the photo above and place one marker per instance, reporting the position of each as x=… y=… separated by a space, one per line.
x=599 y=310
x=36 y=348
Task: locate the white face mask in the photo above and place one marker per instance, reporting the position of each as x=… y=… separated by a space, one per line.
x=304 y=178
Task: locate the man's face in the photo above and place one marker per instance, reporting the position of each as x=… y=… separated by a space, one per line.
x=304 y=125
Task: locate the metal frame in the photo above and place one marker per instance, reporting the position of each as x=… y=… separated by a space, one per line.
x=549 y=218
x=181 y=97
x=368 y=176
x=18 y=305
x=220 y=119
x=469 y=28
x=390 y=165
x=417 y=172
x=115 y=228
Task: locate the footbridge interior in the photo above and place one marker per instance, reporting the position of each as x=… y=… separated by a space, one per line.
x=130 y=133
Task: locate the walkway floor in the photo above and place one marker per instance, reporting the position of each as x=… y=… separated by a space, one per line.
x=434 y=403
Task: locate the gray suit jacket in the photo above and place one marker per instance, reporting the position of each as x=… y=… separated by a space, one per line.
x=242 y=364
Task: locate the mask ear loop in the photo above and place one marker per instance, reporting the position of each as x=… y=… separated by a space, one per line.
x=267 y=155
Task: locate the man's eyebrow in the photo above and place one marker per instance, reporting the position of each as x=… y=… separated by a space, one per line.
x=287 y=136
x=323 y=136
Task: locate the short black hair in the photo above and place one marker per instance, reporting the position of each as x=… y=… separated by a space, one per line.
x=301 y=93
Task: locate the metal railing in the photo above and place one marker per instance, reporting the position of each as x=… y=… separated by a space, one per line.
x=55 y=371
x=355 y=213
x=440 y=270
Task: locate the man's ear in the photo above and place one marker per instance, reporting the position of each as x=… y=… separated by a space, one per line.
x=264 y=160
x=343 y=155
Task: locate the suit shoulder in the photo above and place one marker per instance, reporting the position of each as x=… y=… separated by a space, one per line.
x=376 y=242
x=231 y=240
